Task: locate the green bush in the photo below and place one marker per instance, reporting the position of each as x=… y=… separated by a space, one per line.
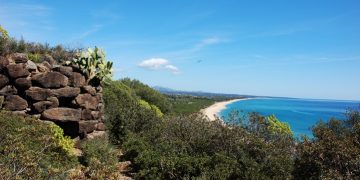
x=32 y=149
x=148 y=94
x=192 y=147
x=100 y=159
x=124 y=114
x=334 y=153
x=36 y=58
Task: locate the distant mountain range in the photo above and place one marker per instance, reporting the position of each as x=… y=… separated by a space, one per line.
x=170 y=91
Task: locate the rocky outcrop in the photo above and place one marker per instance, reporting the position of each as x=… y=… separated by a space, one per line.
x=15 y=103
x=51 y=80
x=62 y=114
x=3 y=80
x=51 y=92
x=38 y=94
x=17 y=70
x=66 y=92
x=87 y=101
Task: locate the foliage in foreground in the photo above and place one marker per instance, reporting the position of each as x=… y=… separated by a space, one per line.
x=100 y=160
x=191 y=146
x=334 y=153
x=33 y=149
x=125 y=113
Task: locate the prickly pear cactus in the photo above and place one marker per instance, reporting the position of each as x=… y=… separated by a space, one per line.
x=94 y=64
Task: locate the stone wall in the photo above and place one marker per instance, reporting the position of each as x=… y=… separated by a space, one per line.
x=51 y=92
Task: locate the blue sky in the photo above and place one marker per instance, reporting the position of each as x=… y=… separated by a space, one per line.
x=307 y=48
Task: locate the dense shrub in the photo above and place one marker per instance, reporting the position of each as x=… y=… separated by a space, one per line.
x=191 y=146
x=100 y=159
x=148 y=94
x=33 y=149
x=124 y=113
x=334 y=153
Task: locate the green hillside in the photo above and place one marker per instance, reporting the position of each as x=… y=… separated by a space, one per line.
x=165 y=137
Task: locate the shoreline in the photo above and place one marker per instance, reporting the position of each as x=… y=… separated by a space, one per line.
x=212 y=111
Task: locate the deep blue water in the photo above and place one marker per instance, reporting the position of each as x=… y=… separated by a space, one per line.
x=301 y=114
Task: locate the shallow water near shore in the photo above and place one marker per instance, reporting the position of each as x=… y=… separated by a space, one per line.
x=301 y=114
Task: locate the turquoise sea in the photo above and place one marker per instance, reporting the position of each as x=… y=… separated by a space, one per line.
x=301 y=114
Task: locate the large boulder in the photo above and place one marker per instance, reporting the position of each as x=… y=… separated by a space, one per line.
x=54 y=101
x=8 y=90
x=3 y=80
x=66 y=92
x=61 y=114
x=87 y=114
x=49 y=59
x=19 y=57
x=43 y=105
x=87 y=126
x=17 y=70
x=31 y=66
x=15 y=103
x=89 y=89
x=23 y=83
x=77 y=80
x=38 y=94
x=87 y=101
x=44 y=67
x=65 y=70
x=51 y=80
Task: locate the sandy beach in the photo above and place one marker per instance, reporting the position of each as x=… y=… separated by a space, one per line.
x=212 y=111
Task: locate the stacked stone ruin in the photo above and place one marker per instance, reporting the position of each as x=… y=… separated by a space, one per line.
x=51 y=92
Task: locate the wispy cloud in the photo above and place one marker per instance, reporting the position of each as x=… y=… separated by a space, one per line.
x=90 y=31
x=29 y=18
x=158 y=64
x=207 y=42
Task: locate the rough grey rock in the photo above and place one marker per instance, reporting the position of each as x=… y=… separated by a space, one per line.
x=49 y=59
x=44 y=67
x=87 y=101
x=65 y=70
x=54 y=100
x=66 y=92
x=23 y=83
x=3 y=80
x=19 y=57
x=77 y=80
x=17 y=70
x=15 y=103
x=43 y=105
x=38 y=94
x=8 y=90
x=87 y=126
x=87 y=114
x=31 y=66
x=51 y=80
x=89 y=89
x=62 y=114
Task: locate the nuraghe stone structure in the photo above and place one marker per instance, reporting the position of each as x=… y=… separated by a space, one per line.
x=51 y=92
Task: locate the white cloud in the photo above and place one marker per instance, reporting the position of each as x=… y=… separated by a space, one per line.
x=158 y=64
x=172 y=68
x=207 y=42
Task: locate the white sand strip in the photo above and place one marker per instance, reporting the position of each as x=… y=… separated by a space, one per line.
x=212 y=111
